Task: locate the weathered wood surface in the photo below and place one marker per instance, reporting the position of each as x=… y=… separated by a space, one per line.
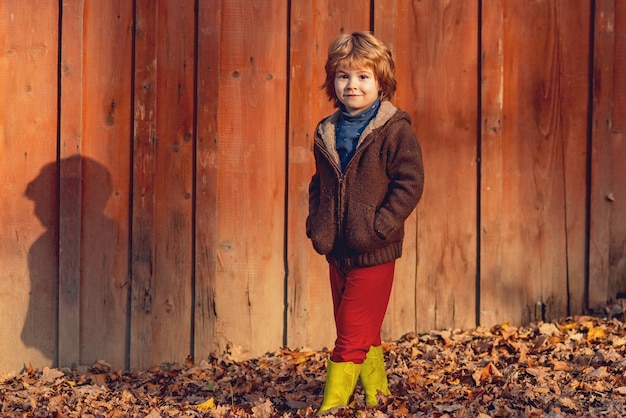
x=93 y=161
x=28 y=174
x=161 y=320
x=250 y=279
x=607 y=241
x=106 y=147
x=437 y=68
x=180 y=133
x=70 y=182
x=206 y=175
x=533 y=159
x=143 y=187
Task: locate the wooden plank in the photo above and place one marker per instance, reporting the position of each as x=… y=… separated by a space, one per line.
x=526 y=234
x=163 y=167
x=106 y=174
x=29 y=175
x=313 y=26
x=251 y=175
x=70 y=171
x=600 y=189
x=607 y=253
x=617 y=282
x=172 y=305
x=208 y=33
x=574 y=84
x=435 y=44
x=144 y=172
x=492 y=165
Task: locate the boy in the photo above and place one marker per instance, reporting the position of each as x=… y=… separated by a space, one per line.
x=368 y=179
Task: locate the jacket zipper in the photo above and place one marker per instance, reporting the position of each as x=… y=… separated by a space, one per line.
x=340 y=199
x=339 y=209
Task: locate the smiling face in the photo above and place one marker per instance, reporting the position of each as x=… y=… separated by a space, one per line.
x=356 y=89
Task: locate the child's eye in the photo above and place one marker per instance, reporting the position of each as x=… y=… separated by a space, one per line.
x=364 y=77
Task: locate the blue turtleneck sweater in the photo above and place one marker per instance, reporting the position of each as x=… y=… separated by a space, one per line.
x=349 y=130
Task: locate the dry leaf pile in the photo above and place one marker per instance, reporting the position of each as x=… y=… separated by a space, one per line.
x=573 y=367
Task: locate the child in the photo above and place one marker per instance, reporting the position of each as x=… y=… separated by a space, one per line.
x=368 y=179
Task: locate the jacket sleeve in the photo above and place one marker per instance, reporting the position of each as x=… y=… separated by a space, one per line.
x=405 y=170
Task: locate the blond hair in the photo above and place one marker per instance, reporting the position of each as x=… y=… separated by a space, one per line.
x=360 y=50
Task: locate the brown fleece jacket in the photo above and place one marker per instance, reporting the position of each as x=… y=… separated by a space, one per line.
x=357 y=219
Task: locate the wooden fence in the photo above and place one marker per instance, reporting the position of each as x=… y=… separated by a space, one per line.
x=156 y=156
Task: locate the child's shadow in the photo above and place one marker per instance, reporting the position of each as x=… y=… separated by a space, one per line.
x=94 y=257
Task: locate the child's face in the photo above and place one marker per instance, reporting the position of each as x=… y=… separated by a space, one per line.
x=357 y=89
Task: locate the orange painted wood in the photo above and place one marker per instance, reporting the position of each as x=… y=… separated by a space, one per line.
x=29 y=175
x=106 y=147
x=617 y=283
x=436 y=47
x=574 y=80
x=163 y=169
x=251 y=153
x=533 y=116
x=173 y=181
x=601 y=190
x=71 y=179
x=492 y=164
x=205 y=320
x=166 y=306
x=608 y=184
x=313 y=26
x=143 y=238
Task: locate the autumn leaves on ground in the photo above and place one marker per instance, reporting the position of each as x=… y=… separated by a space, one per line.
x=573 y=367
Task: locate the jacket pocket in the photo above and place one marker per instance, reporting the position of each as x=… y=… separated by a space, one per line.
x=321 y=229
x=360 y=233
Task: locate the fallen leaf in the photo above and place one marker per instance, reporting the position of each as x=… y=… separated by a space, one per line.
x=549 y=329
x=206 y=406
x=596 y=333
x=559 y=365
x=485 y=373
x=50 y=375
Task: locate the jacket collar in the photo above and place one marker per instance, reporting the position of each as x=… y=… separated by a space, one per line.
x=327 y=128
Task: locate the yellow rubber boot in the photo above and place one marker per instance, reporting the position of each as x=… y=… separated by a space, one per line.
x=341 y=379
x=374 y=376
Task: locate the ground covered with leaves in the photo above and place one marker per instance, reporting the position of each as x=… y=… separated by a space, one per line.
x=573 y=367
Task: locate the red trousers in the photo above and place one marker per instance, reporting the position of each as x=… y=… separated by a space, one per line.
x=360 y=300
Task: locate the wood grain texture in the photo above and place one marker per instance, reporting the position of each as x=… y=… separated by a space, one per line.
x=71 y=178
x=163 y=172
x=205 y=320
x=531 y=108
x=607 y=245
x=617 y=278
x=439 y=88
x=144 y=172
x=251 y=153
x=574 y=26
x=29 y=174
x=173 y=186
x=106 y=163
